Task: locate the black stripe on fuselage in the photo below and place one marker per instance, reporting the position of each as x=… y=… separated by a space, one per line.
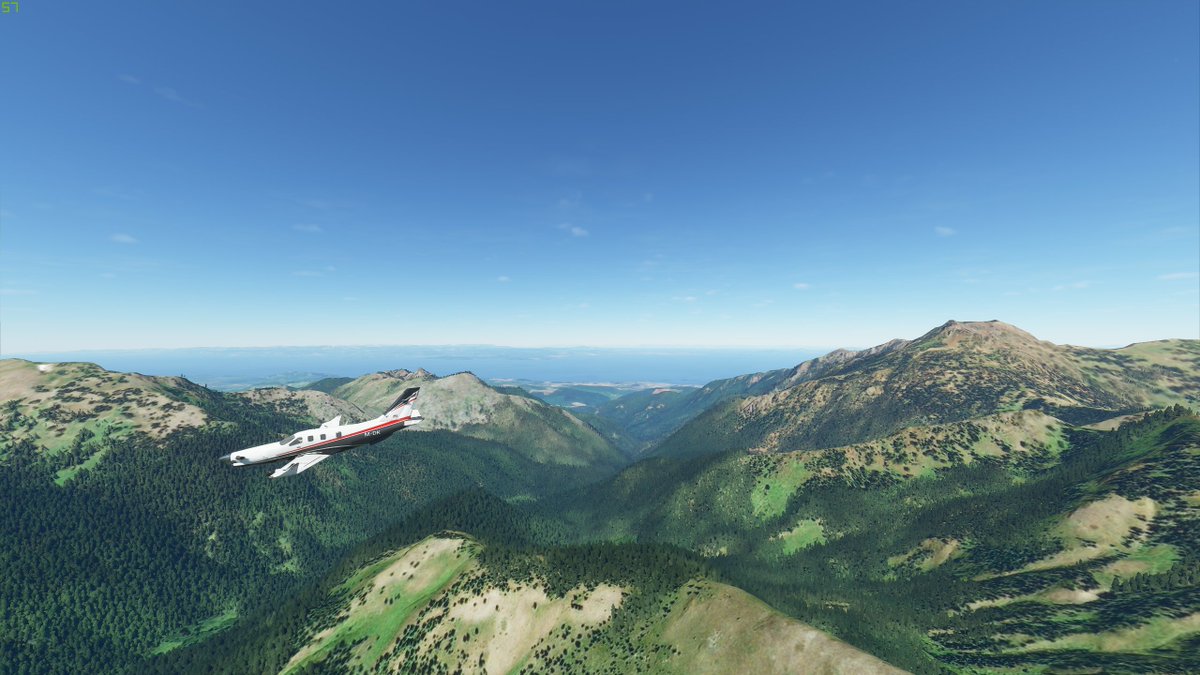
x=336 y=445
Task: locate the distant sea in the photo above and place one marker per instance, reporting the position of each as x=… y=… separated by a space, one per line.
x=241 y=368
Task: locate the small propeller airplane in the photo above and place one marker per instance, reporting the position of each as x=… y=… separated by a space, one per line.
x=309 y=447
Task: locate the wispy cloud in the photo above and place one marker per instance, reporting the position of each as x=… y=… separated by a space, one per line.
x=503 y=279
x=307 y=227
x=1179 y=276
x=684 y=298
x=122 y=238
x=945 y=231
x=570 y=201
x=171 y=95
x=16 y=291
x=575 y=230
x=129 y=79
x=801 y=286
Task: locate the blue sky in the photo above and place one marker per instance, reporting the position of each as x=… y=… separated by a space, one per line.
x=596 y=173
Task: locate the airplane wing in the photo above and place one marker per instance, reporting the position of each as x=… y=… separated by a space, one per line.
x=305 y=461
x=333 y=422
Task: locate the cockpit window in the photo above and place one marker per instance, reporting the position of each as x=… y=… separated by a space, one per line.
x=285 y=440
x=295 y=442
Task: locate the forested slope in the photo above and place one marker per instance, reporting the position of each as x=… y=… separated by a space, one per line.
x=123 y=542
x=500 y=601
x=1073 y=548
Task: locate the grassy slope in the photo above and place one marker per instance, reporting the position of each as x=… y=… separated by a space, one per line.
x=55 y=405
x=434 y=603
x=1004 y=560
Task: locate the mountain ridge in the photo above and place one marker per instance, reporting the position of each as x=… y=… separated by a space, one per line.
x=953 y=372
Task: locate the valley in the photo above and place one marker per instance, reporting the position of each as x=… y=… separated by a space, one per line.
x=972 y=500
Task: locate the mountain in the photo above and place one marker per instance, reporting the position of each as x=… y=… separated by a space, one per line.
x=954 y=372
x=1008 y=541
x=464 y=404
x=639 y=420
x=53 y=405
x=439 y=605
x=507 y=600
x=306 y=403
x=123 y=536
x=972 y=501
x=328 y=384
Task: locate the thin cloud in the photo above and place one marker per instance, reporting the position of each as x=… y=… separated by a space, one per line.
x=801 y=286
x=122 y=238
x=1178 y=276
x=169 y=94
x=9 y=292
x=945 y=231
x=307 y=227
x=503 y=279
x=575 y=230
x=315 y=273
x=129 y=79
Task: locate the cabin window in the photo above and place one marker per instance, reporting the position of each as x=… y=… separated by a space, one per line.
x=310 y=439
x=322 y=436
x=339 y=435
x=296 y=442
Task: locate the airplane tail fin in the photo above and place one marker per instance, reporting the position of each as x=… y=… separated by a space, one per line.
x=404 y=407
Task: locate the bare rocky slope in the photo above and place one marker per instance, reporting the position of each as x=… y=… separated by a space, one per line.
x=465 y=404
x=957 y=371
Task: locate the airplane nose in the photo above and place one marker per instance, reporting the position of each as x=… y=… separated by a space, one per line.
x=225 y=458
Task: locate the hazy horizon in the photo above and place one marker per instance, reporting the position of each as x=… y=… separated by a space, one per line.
x=235 y=368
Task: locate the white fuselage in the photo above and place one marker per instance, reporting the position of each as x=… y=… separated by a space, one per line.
x=326 y=439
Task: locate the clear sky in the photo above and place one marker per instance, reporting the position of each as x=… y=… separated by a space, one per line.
x=596 y=173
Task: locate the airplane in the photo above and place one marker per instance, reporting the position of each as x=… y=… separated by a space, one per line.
x=311 y=446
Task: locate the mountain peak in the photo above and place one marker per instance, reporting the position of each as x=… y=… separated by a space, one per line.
x=405 y=374
x=952 y=332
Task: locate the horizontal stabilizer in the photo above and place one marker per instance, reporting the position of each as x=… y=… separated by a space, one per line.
x=301 y=463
